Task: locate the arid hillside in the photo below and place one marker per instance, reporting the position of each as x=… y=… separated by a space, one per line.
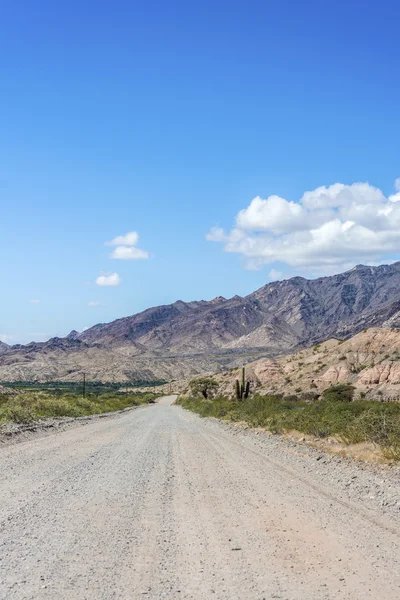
x=370 y=361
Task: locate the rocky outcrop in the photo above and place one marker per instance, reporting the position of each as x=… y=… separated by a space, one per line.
x=370 y=361
x=387 y=373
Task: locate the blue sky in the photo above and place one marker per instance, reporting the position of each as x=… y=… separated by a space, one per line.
x=168 y=119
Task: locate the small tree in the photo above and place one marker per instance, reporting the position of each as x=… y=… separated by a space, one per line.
x=203 y=386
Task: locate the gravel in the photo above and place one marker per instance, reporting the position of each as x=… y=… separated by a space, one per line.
x=371 y=486
x=159 y=503
x=14 y=433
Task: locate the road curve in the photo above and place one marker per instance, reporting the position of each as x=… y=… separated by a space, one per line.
x=157 y=503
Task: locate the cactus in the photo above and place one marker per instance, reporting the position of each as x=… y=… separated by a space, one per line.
x=242 y=389
x=237 y=389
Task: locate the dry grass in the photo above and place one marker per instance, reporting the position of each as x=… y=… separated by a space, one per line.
x=364 y=451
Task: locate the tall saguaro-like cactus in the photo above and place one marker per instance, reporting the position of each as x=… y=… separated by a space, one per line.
x=242 y=390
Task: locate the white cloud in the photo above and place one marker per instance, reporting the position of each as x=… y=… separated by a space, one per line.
x=95 y=302
x=217 y=234
x=275 y=275
x=396 y=197
x=274 y=214
x=129 y=239
x=125 y=247
x=128 y=253
x=329 y=228
x=34 y=301
x=108 y=279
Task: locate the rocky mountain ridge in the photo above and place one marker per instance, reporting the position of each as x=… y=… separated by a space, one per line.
x=186 y=338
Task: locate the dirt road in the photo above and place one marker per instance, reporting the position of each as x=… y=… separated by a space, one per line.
x=158 y=503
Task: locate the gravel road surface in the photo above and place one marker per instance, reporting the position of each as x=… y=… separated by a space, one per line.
x=158 y=503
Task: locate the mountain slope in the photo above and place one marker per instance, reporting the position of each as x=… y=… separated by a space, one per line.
x=370 y=361
x=185 y=338
x=4 y=347
x=275 y=317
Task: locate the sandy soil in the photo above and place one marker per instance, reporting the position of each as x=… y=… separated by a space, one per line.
x=159 y=503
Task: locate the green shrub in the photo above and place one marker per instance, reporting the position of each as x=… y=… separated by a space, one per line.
x=331 y=415
x=17 y=414
x=344 y=392
x=33 y=406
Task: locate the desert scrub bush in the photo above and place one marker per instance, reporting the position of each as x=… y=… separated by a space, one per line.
x=309 y=396
x=344 y=392
x=332 y=414
x=33 y=406
x=203 y=386
x=16 y=413
x=381 y=426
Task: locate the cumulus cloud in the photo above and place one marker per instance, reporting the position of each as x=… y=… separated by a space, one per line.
x=128 y=253
x=126 y=247
x=108 y=279
x=396 y=197
x=329 y=228
x=274 y=214
x=129 y=239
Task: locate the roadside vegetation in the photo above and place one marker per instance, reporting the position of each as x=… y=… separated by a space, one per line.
x=30 y=406
x=333 y=414
x=93 y=387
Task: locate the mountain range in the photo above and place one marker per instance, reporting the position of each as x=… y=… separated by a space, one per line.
x=186 y=338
